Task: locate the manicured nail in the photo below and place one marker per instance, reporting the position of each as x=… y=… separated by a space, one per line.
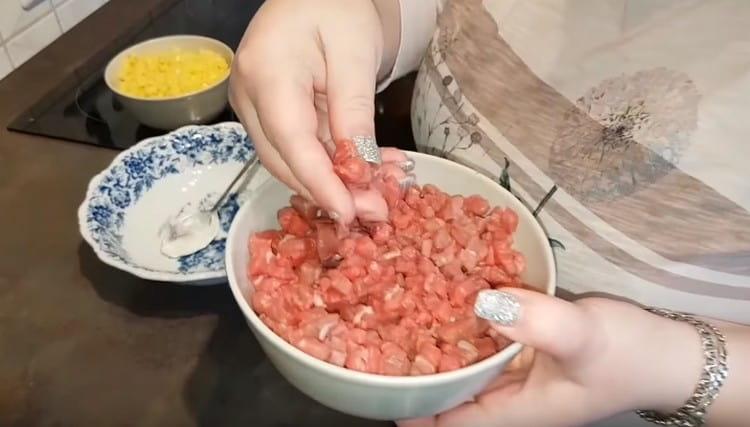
x=407 y=182
x=368 y=149
x=407 y=165
x=497 y=306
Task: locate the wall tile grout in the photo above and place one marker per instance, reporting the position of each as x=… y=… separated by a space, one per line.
x=31 y=23
x=57 y=18
x=53 y=10
x=26 y=27
x=10 y=59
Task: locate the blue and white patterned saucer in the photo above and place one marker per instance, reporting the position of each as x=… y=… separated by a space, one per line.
x=128 y=202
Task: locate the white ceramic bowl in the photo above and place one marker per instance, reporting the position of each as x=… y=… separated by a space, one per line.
x=130 y=200
x=376 y=396
x=171 y=113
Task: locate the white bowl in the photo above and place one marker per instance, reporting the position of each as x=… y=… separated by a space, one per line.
x=128 y=202
x=368 y=395
x=170 y=113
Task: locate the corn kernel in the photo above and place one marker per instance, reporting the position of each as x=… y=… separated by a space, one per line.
x=170 y=74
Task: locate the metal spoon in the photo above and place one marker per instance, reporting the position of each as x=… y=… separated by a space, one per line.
x=192 y=231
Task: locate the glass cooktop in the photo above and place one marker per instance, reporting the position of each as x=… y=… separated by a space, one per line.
x=82 y=109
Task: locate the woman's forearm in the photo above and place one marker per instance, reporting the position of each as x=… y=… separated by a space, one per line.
x=678 y=362
x=731 y=406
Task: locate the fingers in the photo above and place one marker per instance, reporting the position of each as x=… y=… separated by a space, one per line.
x=351 y=73
x=287 y=116
x=548 y=324
x=393 y=155
x=554 y=328
x=268 y=155
x=503 y=387
x=370 y=205
x=272 y=161
x=521 y=363
x=292 y=125
x=515 y=405
x=470 y=414
x=324 y=131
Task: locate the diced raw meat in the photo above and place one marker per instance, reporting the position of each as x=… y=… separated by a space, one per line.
x=337 y=357
x=292 y=222
x=469 y=352
x=309 y=272
x=510 y=221
x=365 y=359
x=366 y=248
x=264 y=262
x=495 y=276
x=327 y=241
x=390 y=190
x=319 y=327
x=453 y=332
x=314 y=348
x=400 y=219
x=431 y=353
x=442 y=239
x=461 y=293
x=390 y=298
x=297 y=250
x=512 y=262
x=304 y=207
x=347 y=164
x=300 y=297
x=450 y=362
x=452 y=209
x=381 y=233
x=422 y=366
x=485 y=346
x=394 y=360
x=476 y=205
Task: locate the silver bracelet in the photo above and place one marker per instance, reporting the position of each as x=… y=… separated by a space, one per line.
x=713 y=375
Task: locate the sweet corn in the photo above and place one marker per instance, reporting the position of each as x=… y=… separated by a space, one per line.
x=174 y=73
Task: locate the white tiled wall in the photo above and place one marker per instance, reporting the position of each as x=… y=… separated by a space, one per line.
x=23 y=33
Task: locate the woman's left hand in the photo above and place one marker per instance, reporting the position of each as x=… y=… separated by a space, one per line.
x=592 y=359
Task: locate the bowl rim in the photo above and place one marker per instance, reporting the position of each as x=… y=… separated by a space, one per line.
x=205 y=277
x=108 y=70
x=375 y=379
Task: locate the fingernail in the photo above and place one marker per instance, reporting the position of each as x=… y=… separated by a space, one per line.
x=407 y=182
x=407 y=165
x=368 y=149
x=497 y=306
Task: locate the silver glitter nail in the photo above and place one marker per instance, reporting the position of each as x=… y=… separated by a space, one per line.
x=407 y=165
x=406 y=183
x=368 y=149
x=497 y=306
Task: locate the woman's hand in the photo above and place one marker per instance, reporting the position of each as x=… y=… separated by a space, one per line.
x=592 y=359
x=304 y=76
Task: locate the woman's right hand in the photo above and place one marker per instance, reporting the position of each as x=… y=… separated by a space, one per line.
x=304 y=76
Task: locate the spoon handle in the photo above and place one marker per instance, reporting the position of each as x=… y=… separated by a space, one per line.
x=253 y=164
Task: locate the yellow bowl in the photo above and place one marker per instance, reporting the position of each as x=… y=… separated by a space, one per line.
x=170 y=113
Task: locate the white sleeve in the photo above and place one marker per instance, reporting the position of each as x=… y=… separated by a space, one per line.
x=418 y=23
